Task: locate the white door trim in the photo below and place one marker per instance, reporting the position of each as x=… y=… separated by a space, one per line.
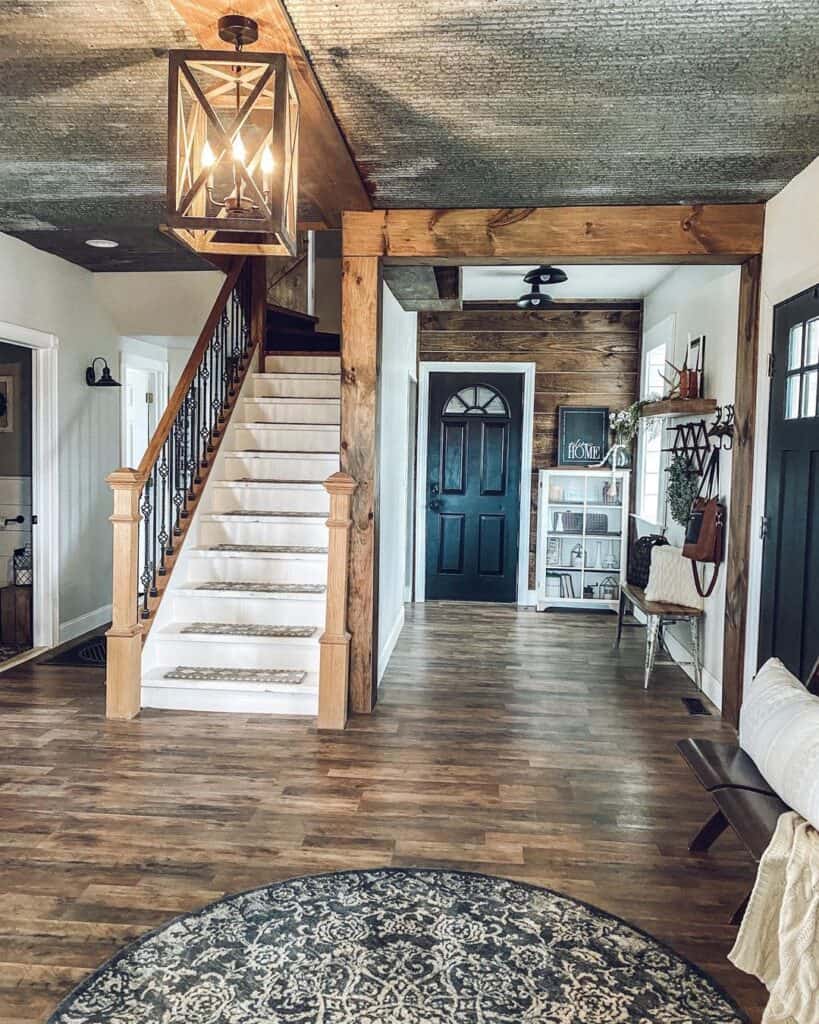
x=45 y=493
x=156 y=366
x=528 y=372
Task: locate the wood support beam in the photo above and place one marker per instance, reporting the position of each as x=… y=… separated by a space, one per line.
x=329 y=178
x=615 y=234
x=360 y=323
x=739 y=511
x=424 y=288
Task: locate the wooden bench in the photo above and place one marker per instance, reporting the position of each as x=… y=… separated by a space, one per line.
x=660 y=614
x=743 y=798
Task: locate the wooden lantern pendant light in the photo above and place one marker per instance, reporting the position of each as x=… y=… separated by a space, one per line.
x=233 y=147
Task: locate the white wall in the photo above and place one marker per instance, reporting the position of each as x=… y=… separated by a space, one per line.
x=790 y=264
x=88 y=313
x=705 y=301
x=158 y=303
x=399 y=331
x=46 y=293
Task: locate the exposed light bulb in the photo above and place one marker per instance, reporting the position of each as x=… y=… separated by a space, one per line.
x=208 y=156
x=238 y=147
x=268 y=162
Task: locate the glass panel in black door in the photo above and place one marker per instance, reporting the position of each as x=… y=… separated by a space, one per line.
x=789 y=619
x=473 y=486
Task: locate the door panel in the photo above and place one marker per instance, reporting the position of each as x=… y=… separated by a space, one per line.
x=493 y=458
x=789 y=614
x=451 y=546
x=473 y=486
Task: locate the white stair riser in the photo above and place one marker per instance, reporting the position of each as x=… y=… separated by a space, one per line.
x=237 y=652
x=257 y=570
x=283 y=499
x=274 y=534
x=303 y=412
x=296 y=387
x=302 y=364
x=294 y=439
x=280 y=467
x=180 y=698
x=248 y=610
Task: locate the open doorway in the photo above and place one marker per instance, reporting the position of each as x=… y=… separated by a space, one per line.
x=16 y=514
x=145 y=393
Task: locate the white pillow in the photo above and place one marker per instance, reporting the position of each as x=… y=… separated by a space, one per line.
x=670 y=578
x=779 y=731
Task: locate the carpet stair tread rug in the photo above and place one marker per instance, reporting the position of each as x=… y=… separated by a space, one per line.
x=398 y=946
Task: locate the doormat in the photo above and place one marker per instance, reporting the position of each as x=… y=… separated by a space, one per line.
x=694 y=706
x=9 y=651
x=87 y=653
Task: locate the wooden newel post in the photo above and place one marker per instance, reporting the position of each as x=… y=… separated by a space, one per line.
x=334 y=664
x=123 y=681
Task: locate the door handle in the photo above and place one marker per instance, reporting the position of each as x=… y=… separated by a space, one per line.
x=434 y=506
x=433 y=488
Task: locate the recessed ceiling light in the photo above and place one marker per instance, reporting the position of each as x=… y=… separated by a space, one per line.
x=101 y=243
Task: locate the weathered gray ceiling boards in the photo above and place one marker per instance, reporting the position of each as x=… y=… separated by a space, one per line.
x=512 y=103
x=443 y=103
x=82 y=129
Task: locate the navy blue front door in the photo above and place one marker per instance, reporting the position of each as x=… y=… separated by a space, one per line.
x=473 y=486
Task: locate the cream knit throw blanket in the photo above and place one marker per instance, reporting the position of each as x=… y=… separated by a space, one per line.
x=778 y=940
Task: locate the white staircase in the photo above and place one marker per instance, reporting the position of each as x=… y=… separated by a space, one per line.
x=238 y=627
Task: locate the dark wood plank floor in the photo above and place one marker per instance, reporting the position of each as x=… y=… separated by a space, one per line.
x=506 y=742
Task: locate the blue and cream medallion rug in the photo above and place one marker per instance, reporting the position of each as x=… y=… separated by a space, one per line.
x=396 y=946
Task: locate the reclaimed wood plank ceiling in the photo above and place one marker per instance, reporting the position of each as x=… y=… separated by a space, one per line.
x=443 y=103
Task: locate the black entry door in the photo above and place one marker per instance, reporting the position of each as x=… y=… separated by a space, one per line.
x=473 y=486
x=789 y=621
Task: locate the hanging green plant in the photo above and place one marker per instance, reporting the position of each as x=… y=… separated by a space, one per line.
x=683 y=484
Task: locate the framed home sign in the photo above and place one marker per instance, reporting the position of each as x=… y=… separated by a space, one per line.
x=582 y=435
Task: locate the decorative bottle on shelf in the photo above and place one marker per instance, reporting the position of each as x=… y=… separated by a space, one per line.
x=577 y=556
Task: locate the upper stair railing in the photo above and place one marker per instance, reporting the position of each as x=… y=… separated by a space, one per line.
x=153 y=504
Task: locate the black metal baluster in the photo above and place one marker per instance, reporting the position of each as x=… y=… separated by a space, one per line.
x=154 y=531
x=178 y=491
x=164 y=520
x=191 y=442
x=145 y=575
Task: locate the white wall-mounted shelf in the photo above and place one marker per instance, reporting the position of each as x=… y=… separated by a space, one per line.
x=574 y=556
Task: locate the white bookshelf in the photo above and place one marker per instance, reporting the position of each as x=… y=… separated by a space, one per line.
x=582 y=537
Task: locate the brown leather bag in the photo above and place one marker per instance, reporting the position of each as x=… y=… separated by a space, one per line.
x=704 y=534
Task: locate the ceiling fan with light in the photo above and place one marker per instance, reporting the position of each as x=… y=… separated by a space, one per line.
x=542 y=275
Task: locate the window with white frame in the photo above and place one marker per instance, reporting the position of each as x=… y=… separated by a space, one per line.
x=650 y=490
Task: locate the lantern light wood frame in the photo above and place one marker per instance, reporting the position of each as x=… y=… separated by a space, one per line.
x=212 y=96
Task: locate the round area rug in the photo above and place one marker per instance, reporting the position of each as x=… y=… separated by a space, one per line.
x=396 y=946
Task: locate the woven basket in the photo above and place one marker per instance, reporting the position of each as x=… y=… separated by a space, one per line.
x=572 y=522
x=597 y=522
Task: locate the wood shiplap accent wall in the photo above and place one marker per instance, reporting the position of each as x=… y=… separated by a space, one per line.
x=584 y=354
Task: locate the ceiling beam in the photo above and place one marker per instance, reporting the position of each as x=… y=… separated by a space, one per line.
x=329 y=180
x=425 y=288
x=597 y=234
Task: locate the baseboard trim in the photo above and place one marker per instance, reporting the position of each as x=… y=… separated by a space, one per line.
x=711 y=686
x=385 y=653
x=84 y=623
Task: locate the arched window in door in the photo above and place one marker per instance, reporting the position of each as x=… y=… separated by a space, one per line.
x=476 y=400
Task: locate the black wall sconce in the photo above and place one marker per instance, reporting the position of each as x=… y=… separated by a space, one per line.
x=105 y=380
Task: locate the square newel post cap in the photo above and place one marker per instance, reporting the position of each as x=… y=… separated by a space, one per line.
x=123 y=479
x=340 y=483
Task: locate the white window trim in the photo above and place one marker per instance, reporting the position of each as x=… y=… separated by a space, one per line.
x=662 y=333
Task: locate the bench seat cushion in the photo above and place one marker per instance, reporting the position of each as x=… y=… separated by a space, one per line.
x=779 y=730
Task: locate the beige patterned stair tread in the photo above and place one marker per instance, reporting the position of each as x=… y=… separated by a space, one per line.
x=272 y=549
x=196 y=673
x=263 y=588
x=281 y=480
x=288 y=513
x=247 y=629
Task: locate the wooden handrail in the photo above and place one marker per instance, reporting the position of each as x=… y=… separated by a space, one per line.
x=334 y=659
x=163 y=428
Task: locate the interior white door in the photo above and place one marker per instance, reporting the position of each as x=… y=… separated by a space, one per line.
x=140 y=411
